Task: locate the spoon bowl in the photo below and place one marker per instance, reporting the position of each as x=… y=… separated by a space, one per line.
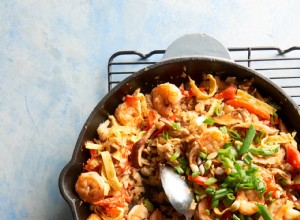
x=177 y=191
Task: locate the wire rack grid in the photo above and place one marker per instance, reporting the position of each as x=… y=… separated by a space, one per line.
x=281 y=66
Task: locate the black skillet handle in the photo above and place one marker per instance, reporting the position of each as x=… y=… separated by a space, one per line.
x=195 y=45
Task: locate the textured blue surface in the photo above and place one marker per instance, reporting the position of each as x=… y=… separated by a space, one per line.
x=53 y=57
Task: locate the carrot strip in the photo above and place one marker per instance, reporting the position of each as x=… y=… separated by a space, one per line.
x=250 y=107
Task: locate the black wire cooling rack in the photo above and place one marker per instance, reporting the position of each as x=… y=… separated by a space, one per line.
x=281 y=66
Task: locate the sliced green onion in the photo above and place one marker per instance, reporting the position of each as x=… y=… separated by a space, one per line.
x=212 y=155
x=239 y=169
x=165 y=135
x=227 y=163
x=268 y=196
x=223 y=129
x=234 y=135
x=229 y=198
x=175 y=156
x=282 y=181
x=274 y=116
x=207 y=211
x=148 y=205
x=197 y=198
x=225 y=152
x=227 y=145
x=220 y=193
x=248 y=140
x=176 y=126
x=210 y=190
x=207 y=164
x=194 y=174
x=248 y=158
x=264 y=151
x=202 y=155
x=215 y=203
x=234 y=217
x=209 y=121
x=179 y=169
x=210 y=181
x=263 y=210
x=183 y=163
x=274 y=105
x=258 y=137
x=218 y=110
x=188 y=171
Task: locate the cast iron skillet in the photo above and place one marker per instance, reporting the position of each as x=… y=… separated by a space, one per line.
x=168 y=70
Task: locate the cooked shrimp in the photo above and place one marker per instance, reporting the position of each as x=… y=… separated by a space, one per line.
x=283 y=209
x=94 y=217
x=248 y=200
x=129 y=113
x=138 y=212
x=166 y=98
x=90 y=187
x=201 y=213
x=213 y=139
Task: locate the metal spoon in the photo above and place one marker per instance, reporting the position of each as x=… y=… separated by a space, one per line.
x=177 y=191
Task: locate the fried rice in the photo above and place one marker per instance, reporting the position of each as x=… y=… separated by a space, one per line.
x=226 y=140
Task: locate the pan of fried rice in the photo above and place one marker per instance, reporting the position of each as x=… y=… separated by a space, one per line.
x=230 y=132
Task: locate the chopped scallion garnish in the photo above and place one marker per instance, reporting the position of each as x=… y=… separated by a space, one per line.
x=209 y=121
x=218 y=110
x=194 y=174
x=264 y=151
x=176 y=126
x=165 y=135
x=179 y=169
x=227 y=163
x=148 y=205
x=220 y=193
x=211 y=181
x=259 y=137
x=223 y=129
x=207 y=211
x=175 y=156
x=234 y=135
x=234 y=217
x=215 y=203
x=202 y=155
x=248 y=140
x=263 y=210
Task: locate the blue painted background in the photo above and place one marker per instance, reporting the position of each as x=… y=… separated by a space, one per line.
x=53 y=57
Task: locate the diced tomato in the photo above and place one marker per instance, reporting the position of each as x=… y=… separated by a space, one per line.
x=112 y=212
x=112 y=202
x=293 y=156
x=130 y=98
x=251 y=108
x=92 y=165
x=94 y=153
x=159 y=131
x=127 y=196
x=126 y=163
x=271 y=185
x=228 y=93
x=200 y=180
x=151 y=117
x=173 y=117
